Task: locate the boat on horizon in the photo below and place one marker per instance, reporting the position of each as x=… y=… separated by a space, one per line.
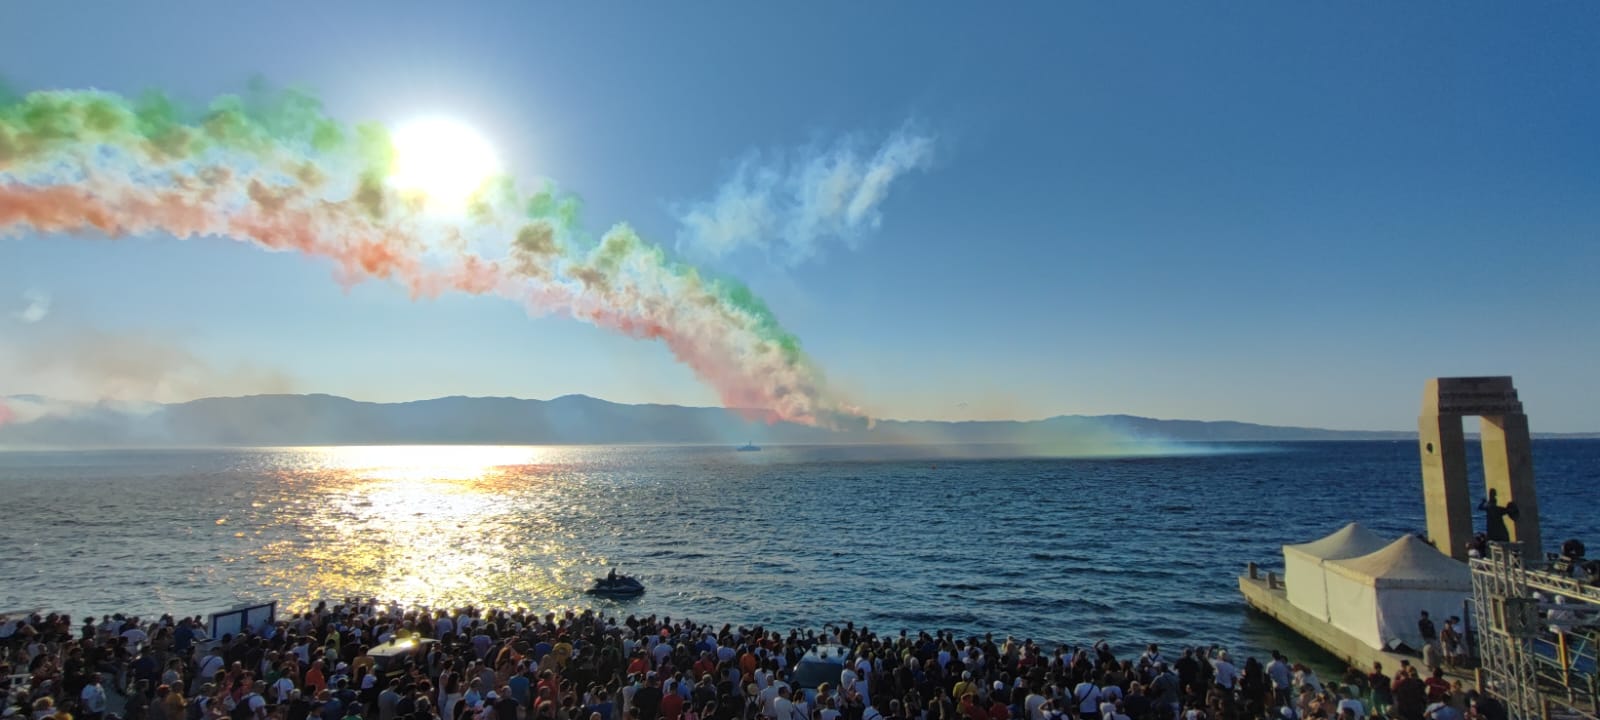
x=750 y=447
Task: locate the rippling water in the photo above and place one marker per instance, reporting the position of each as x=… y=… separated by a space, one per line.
x=1131 y=550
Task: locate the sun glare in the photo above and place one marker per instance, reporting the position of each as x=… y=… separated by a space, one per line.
x=443 y=160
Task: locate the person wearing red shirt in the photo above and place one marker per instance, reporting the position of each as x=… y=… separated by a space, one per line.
x=671 y=702
x=997 y=708
x=704 y=666
x=1438 y=687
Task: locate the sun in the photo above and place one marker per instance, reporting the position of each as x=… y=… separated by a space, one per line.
x=443 y=160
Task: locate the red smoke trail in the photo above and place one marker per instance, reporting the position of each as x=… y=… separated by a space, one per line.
x=369 y=250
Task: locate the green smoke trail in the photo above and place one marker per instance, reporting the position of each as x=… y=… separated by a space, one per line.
x=270 y=167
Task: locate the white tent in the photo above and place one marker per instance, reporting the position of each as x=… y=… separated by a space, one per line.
x=1379 y=597
x=1302 y=565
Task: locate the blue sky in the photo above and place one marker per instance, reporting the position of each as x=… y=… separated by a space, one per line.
x=1277 y=212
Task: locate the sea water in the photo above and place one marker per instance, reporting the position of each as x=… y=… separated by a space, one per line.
x=1130 y=550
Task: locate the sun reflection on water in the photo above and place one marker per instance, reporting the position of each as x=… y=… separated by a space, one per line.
x=429 y=525
x=427 y=463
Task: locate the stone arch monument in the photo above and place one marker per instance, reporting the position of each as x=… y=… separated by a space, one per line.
x=1507 y=461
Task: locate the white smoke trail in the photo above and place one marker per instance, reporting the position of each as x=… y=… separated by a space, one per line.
x=790 y=204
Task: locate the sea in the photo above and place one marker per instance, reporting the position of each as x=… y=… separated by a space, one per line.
x=1135 y=549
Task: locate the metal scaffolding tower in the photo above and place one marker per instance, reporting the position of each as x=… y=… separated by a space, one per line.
x=1506 y=618
x=1530 y=663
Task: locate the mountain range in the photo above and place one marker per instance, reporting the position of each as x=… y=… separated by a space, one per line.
x=295 y=420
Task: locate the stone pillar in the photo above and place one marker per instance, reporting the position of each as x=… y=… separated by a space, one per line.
x=1507 y=461
x=1508 y=470
x=1444 y=480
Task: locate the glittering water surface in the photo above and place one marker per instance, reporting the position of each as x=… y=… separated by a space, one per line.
x=1131 y=550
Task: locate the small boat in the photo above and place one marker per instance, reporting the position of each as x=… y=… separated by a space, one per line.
x=616 y=586
x=750 y=447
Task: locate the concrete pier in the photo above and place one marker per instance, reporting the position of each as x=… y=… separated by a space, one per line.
x=1422 y=578
x=1270 y=599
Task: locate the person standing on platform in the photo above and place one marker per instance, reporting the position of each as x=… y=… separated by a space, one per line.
x=1430 y=634
x=1451 y=641
x=1496 y=517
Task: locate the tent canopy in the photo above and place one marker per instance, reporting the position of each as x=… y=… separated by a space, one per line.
x=1350 y=541
x=1405 y=563
x=1303 y=575
x=1378 y=597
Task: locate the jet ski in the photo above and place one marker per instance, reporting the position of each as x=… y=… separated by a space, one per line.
x=616 y=586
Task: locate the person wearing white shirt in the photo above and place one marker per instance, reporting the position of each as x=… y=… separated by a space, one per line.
x=782 y=708
x=784 y=692
x=1355 y=707
x=93 y=699
x=256 y=703
x=135 y=637
x=847 y=678
x=1087 y=697
x=1227 y=674
x=628 y=692
x=1034 y=704
x=765 y=694
x=1304 y=676
x=1151 y=657
x=208 y=668
x=282 y=687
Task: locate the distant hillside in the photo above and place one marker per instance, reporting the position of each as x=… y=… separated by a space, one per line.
x=267 y=420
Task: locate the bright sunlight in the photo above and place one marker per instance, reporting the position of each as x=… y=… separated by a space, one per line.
x=443 y=160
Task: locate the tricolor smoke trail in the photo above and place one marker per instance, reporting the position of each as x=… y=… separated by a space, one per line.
x=273 y=169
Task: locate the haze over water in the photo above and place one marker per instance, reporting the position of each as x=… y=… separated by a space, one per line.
x=1131 y=550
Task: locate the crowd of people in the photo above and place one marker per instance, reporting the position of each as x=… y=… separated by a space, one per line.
x=363 y=661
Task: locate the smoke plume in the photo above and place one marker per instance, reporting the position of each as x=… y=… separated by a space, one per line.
x=78 y=364
x=789 y=205
x=272 y=169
